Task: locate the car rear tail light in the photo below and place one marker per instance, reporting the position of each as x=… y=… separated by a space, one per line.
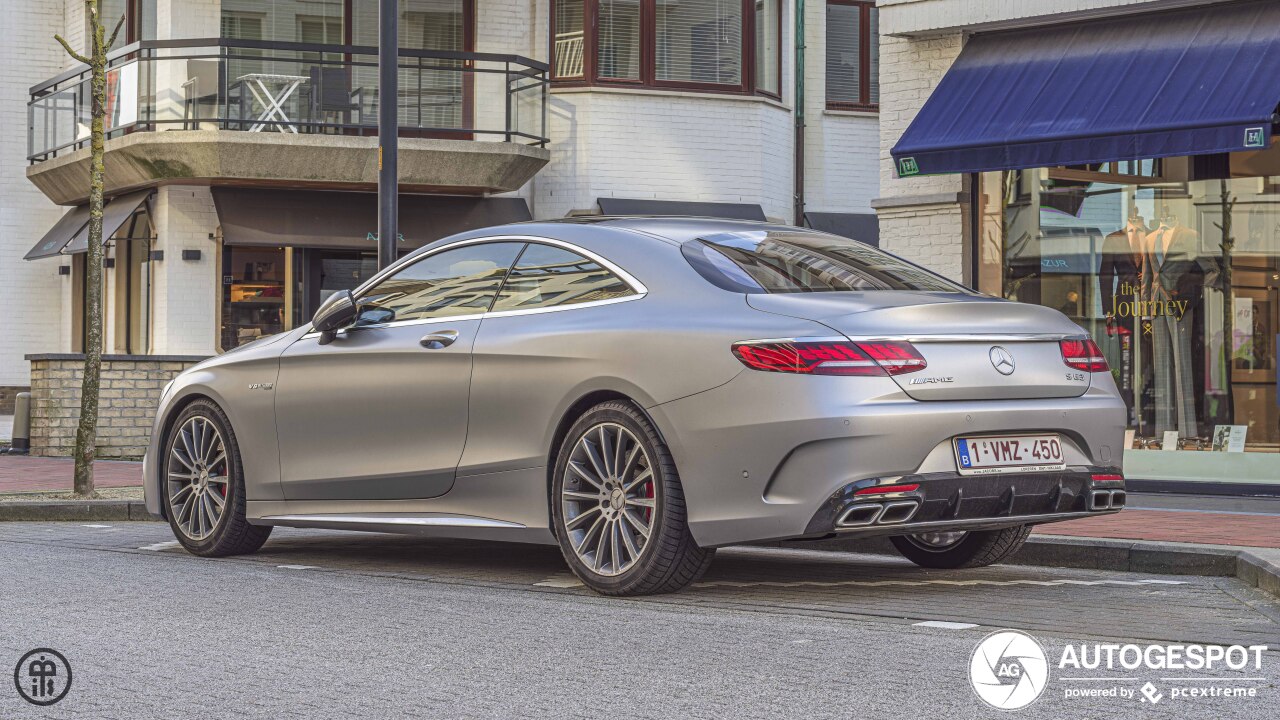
x=1083 y=355
x=1108 y=478
x=829 y=357
x=895 y=357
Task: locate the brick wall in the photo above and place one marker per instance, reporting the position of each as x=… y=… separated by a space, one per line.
x=921 y=218
x=665 y=146
x=129 y=394
x=924 y=16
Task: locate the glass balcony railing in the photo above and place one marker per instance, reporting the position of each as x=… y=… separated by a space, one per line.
x=291 y=88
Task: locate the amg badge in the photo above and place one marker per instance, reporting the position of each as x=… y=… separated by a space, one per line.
x=932 y=380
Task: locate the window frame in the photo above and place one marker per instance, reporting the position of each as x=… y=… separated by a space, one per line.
x=366 y=289
x=648 y=79
x=639 y=290
x=864 y=103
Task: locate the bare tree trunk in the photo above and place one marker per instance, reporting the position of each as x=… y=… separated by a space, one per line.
x=87 y=430
x=1226 y=412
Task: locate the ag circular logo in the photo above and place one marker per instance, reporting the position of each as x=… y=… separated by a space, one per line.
x=43 y=676
x=1008 y=670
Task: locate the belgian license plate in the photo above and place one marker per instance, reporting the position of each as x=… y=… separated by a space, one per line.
x=993 y=454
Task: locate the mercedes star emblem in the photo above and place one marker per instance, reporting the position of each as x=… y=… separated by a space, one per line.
x=1002 y=360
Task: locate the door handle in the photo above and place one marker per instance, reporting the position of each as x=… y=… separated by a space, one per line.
x=438 y=340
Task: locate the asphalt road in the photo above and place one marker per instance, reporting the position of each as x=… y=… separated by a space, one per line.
x=324 y=624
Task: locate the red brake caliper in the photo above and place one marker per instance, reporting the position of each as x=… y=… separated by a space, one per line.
x=648 y=492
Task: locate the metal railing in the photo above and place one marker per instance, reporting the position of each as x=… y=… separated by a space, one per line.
x=263 y=86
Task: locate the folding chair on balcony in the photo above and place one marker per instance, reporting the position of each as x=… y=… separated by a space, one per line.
x=331 y=94
x=201 y=92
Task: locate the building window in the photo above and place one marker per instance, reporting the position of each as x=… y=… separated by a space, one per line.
x=699 y=41
x=139 y=22
x=715 y=45
x=568 y=37
x=769 y=46
x=853 y=50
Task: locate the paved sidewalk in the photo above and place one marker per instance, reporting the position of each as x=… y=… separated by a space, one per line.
x=1177 y=526
x=38 y=474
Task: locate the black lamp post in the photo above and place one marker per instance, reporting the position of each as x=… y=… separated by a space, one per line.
x=388 y=140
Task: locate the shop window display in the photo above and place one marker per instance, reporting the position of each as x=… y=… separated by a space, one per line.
x=1173 y=266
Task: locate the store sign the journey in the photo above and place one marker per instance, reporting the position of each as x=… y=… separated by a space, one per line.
x=1176 y=309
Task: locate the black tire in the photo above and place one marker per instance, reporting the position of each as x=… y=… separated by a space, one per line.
x=978 y=548
x=232 y=534
x=670 y=560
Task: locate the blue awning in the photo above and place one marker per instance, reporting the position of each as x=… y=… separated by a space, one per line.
x=1185 y=82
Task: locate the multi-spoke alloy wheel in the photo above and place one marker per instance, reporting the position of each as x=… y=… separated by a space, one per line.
x=198 y=478
x=937 y=541
x=203 y=484
x=609 y=498
x=618 y=507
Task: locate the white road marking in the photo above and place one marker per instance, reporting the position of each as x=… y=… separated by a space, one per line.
x=921 y=583
x=298 y=567
x=101 y=527
x=160 y=546
x=945 y=625
x=563 y=580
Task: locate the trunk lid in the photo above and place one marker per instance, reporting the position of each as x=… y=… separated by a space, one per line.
x=963 y=338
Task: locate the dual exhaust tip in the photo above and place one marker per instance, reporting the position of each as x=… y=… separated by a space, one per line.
x=888 y=513
x=1107 y=499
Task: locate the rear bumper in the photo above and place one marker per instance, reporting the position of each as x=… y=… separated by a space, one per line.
x=948 y=501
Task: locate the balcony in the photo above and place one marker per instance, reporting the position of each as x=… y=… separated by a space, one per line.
x=254 y=113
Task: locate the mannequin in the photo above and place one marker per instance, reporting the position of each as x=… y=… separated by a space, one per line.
x=1171 y=286
x=1120 y=282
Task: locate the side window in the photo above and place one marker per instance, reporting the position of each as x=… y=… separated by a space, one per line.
x=546 y=276
x=454 y=282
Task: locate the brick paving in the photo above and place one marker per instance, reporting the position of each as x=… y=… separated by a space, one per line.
x=1180 y=526
x=20 y=474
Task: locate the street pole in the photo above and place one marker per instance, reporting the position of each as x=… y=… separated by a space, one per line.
x=388 y=127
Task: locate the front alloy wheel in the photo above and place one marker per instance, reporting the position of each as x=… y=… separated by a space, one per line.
x=203 y=485
x=618 y=507
x=197 y=478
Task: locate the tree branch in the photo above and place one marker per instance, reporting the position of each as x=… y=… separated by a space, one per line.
x=74 y=55
x=115 y=33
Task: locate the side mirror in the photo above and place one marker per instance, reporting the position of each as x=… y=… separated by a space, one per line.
x=334 y=314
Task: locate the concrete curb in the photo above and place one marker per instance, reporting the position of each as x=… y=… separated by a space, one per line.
x=1258 y=567
x=74 y=510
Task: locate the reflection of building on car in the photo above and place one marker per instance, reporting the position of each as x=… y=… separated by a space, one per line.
x=642 y=391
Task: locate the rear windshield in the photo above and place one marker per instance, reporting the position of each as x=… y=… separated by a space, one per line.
x=796 y=262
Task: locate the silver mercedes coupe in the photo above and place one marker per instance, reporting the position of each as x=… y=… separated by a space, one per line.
x=642 y=391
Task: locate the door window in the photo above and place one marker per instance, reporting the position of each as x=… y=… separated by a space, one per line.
x=455 y=282
x=547 y=276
